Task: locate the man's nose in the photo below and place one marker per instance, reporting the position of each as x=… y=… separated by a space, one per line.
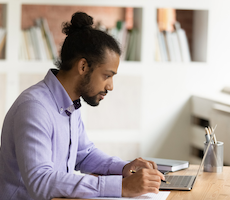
x=109 y=85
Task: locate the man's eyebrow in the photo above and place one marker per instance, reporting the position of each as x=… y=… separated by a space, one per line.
x=114 y=73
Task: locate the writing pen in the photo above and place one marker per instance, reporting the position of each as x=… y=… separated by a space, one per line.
x=134 y=171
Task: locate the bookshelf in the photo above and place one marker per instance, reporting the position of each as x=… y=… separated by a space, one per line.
x=178 y=29
x=121 y=22
x=2 y=30
x=161 y=112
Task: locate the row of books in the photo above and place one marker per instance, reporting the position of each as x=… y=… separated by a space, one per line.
x=127 y=40
x=37 y=42
x=172 y=45
x=2 y=41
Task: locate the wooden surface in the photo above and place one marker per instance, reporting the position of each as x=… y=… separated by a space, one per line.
x=208 y=186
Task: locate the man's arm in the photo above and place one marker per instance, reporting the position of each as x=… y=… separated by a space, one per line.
x=92 y=160
x=147 y=179
x=32 y=135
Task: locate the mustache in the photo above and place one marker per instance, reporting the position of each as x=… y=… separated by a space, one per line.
x=103 y=92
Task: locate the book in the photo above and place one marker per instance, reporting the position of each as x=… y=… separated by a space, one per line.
x=2 y=40
x=183 y=43
x=40 y=43
x=35 y=42
x=44 y=42
x=29 y=44
x=49 y=37
x=176 y=47
x=162 y=45
x=23 y=53
x=122 y=35
x=169 y=43
x=158 y=51
x=123 y=38
x=132 y=45
x=169 y=164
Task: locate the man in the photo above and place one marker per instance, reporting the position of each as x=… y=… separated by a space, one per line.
x=43 y=136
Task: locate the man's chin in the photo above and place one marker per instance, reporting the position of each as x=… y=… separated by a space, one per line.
x=94 y=105
x=91 y=102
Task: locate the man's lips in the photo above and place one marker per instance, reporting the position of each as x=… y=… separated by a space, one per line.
x=102 y=95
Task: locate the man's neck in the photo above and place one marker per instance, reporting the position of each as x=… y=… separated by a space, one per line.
x=69 y=82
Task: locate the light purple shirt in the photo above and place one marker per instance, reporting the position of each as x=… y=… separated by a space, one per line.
x=41 y=146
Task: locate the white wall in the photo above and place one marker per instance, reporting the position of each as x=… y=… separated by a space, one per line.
x=153 y=99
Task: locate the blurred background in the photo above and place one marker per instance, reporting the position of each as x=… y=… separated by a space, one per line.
x=174 y=67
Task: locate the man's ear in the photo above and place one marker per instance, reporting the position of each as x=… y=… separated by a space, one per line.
x=82 y=66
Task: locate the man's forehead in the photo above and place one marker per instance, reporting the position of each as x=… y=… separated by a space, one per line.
x=107 y=69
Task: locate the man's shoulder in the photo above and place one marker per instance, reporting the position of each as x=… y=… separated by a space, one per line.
x=38 y=92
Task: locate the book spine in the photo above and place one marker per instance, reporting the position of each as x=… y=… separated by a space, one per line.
x=49 y=38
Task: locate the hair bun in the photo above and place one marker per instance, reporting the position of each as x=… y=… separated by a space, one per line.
x=79 y=21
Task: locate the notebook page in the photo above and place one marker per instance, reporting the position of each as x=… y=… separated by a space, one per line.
x=162 y=195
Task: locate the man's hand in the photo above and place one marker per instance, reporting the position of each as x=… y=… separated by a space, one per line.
x=136 y=165
x=141 y=182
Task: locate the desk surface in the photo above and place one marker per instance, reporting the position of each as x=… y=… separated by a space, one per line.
x=208 y=186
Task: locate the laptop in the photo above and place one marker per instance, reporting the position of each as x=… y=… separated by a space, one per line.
x=183 y=182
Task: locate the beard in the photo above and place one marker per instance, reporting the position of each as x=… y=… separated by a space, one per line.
x=86 y=89
x=92 y=101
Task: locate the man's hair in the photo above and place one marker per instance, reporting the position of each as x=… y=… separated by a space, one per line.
x=84 y=41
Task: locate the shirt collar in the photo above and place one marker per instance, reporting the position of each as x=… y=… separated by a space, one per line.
x=76 y=104
x=61 y=97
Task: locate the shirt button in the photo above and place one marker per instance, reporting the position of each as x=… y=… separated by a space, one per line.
x=61 y=110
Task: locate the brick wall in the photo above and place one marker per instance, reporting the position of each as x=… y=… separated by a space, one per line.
x=56 y=15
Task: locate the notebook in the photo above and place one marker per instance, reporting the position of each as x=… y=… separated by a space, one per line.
x=183 y=182
x=166 y=165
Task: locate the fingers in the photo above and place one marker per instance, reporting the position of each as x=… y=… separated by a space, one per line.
x=141 y=182
x=136 y=165
x=152 y=174
x=141 y=163
x=154 y=165
x=160 y=175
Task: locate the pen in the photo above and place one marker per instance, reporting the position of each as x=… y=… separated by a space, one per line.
x=134 y=171
x=209 y=132
x=214 y=136
x=207 y=136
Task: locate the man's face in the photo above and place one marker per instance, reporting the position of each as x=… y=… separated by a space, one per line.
x=96 y=84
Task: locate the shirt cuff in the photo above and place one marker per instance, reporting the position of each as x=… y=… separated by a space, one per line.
x=117 y=167
x=111 y=186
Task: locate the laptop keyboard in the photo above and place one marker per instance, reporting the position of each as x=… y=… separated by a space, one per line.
x=176 y=181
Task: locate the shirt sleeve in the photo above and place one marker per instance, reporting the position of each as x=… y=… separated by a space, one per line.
x=93 y=160
x=33 y=148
